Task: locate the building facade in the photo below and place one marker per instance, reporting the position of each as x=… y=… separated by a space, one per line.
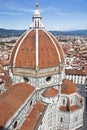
x=76 y=75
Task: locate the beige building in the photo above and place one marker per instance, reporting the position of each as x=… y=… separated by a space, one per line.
x=76 y=75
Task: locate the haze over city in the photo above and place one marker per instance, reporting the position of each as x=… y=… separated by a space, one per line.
x=57 y=14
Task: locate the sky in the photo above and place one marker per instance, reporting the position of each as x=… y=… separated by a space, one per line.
x=56 y=14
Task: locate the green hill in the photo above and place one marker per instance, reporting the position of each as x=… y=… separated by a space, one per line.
x=9 y=33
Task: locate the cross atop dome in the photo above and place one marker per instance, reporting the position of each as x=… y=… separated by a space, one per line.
x=36 y=19
x=36 y=5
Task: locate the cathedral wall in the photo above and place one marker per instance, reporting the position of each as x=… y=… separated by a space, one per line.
x=18 y=118
x=70 y=120
x=63 y=99
x=76 y=119
x=43 y=82
x=63 y=120
x=43 y=125
x=16 y=79
x=50 y=80
x=50 y=120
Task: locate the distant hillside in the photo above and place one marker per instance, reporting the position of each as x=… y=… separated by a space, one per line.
x=75 y=32
x=9 y=33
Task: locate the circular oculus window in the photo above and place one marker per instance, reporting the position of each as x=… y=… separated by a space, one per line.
x=48 y=79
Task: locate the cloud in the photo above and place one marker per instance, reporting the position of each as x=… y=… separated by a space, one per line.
x=63 y=13
x=13 y=6
x=10 y=13
x=56 y=10
x=24 y=10
x=49 y=9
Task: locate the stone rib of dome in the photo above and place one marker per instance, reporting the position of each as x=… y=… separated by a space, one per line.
x=58 y=46
x=25 y=56
x=15 y=48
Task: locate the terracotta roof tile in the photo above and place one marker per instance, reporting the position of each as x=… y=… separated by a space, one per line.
x=75 y=72
x=68 y=87
x=33 y=118
x=27 y=52
x=12 y=99
x=50 y=92
x=47 y=53
x=59 y=47
x=6 y=111
x=15 y=48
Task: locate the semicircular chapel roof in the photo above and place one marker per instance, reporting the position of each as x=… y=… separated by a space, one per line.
x=68 y=87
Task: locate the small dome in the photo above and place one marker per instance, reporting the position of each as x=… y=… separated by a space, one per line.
x=68 y=87
x=50 y=92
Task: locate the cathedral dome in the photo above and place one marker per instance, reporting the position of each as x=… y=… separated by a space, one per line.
x=36 y=48
x=68 y=87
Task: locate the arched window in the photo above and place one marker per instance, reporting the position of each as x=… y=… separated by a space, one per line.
x=15 y=124
x=63 y=101
x=35 y=24
x=86 y=80
x=31 y=103
x=61 y=119
x=71 y=101
x=38 y=23
x=0 y=91
x=26 y=79
x=76 y=118
x=48 y=78
x=81 y=100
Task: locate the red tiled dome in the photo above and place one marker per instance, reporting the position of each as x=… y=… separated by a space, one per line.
x=68 y=87
x=37 y=49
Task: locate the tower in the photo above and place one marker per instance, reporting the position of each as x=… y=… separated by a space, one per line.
x=36 y=19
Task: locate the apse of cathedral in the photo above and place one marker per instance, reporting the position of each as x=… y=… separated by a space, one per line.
x=40 y=98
